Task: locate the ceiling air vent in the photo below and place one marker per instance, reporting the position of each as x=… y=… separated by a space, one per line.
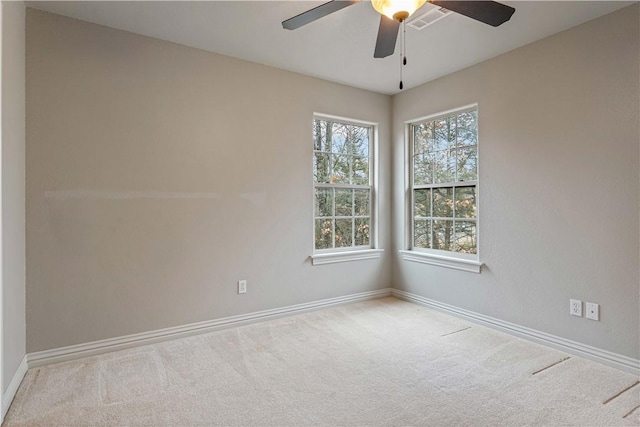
x=423 y=21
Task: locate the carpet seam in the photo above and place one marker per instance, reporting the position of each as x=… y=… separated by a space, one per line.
x=620 y=393
x=631 y=411
x=552 y=365
x=455 y=332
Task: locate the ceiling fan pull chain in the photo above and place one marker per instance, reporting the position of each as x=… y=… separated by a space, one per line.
x=401 y=60
x=404 y=43
x=403 y=56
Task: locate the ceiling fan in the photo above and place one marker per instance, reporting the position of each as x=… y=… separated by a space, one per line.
x=394 y=12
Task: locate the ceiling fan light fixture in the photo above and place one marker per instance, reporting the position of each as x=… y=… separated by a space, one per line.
x=397 y=9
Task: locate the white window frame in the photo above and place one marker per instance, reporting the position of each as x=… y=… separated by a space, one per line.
x=353 y=253
x=437 y=257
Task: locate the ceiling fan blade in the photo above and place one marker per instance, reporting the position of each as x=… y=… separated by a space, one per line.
x=387 y=36
x=316 y=13
x=489 y=12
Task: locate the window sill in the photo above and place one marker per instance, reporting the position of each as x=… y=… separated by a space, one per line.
x=443 y=261
x=333 y=257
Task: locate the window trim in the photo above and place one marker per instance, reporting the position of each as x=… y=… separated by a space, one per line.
x=352 y=253
x=437 y=257
x=457 y=263
x=345 y=255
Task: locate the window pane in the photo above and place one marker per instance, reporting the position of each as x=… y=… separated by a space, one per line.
x=344 y=202
x=340 y=169
x=343 y=232
x=423 y=138
x=451 y=121
x=442 y=134
x=321 y=168
x=360 y=170
x=445 y=166
x=362 y=202
x=360 y=141
x=324 y=233
x=362 y=232
x=419 y=139
x=465 y=202
x=340 y=141
x=422 y=169
x=443 y=202
x=320 y=135
x=443 y=235
x=465 y=237
x=324 y=202
x=467 y=129
x=422 y=203
x=422 y=233
x=467 y=164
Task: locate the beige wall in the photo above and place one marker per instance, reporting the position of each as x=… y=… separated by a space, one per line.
x=13 y=188
x=559 y=190
x=160 y=175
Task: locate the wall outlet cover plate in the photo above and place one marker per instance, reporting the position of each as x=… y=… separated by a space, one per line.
x=575 y=307
x=242 y=286
x=593 y=311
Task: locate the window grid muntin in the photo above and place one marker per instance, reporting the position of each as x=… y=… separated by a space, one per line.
x=452 y=146
x=336 y=185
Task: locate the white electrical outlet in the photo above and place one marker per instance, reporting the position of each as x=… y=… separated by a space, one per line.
x=242 y=286
x=575 y=307
x=593 y=311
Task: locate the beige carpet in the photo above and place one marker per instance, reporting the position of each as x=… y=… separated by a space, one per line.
x=382 y=362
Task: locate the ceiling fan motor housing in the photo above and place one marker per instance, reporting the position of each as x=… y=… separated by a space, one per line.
x=397 y=9
x=401 y=16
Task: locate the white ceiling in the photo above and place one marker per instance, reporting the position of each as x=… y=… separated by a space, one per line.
x=338 y=47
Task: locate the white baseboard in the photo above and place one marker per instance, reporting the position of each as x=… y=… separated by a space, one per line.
x=8 y=396
x=605 y=357
x=64 y=354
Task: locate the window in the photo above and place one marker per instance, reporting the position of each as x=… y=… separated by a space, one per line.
x=444 y=184
x=343 y=185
